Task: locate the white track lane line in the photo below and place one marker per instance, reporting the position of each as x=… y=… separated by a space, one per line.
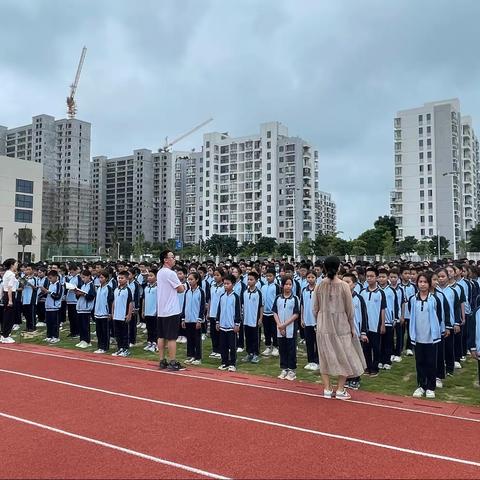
x=250 y=419
x=243 y=384
x=115 y=447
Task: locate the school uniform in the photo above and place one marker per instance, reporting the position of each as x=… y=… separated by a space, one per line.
x=285 y=307
x=468 y=333
x=360 y=321
x=398 y=328
x=228 y=317
x=476 y=349
x=392 y=316
x=53 y=304
x=239 y=287
x=181 y=298
x=270 y=292
x=63 y=306
x=409 y=289
x=445 y=324
x=84 y=307
x=9 y=281
x=193 y=312
x=205 y=286
x=1 y=303
x=101 y=311
x=132 y=325
x=150 y=311
x=376 y=303
x=458 y=337
x=216 y=291
x=122 y=298
x=18 y=304
x=40 y=310
x=71 y=299
x=310 y=323
x=29 y=300
x=425 y=334
x=252 y=309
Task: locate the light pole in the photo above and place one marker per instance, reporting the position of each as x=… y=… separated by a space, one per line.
x=294 y=225
x=453 y=174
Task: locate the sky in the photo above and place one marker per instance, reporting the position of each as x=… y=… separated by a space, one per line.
x=334 y=72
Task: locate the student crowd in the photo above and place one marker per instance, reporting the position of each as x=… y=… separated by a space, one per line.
x=430 y=310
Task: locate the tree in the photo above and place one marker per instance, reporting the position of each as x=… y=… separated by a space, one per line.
x=474 y=243
x=125 y=248
x=57 y=236
x=285 y=249
x=246 y=250
x=373 y=239
x=358 y=248
x=407 y=245
x=424 y=248
x=386 y=223
x=444 y=244
x=24 y=237
x=265 y=245
x=139 y=245
x=305 y=247
x=388 y=244
x=221 y=246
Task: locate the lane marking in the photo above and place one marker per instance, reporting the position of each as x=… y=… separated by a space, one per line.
x=243 y=384
x=250 y=419
x=118 y=448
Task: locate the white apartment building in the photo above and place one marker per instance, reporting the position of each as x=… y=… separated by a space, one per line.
x=326 y=214
x=260 y=185
x=436 y=172
x=20 y=207
x=63 y=148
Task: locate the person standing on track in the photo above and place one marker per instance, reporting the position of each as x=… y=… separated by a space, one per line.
x=9 y=293
x=168 y=311
x=339 y=350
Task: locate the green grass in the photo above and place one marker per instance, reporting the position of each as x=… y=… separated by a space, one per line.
x=401 y=380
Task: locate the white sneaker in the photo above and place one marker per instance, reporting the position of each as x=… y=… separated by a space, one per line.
x=267 y=352
x=79 y=344
x=239 y=350
x=83 y=344
x=397 y=359
x=342 y=395
x=204 y=337
x=462 y=359
x=291 y=375
x=430 y=394
x=147 y=347
x=409 y=353
x=41 y=324
x=8 y=340
x=213 y=355
x=274 y=352
x=315 y=367
x=196 y=362
x=189 y=360
x=419 y=392
x=283 y=375
x=439 y=383
x=327 y=393
x=54 y=340
x=392 y=358
x=183 y=340
x=380 y=366
x=223 y=367
x=218 y=355
x=131 y=345
x=117 y=353
x=99 y=351
x=457 y=365
x=308 y=366
x=232 y=368
x=15 y=327
x=48 y=339
x=124 y=353
x=387 y=366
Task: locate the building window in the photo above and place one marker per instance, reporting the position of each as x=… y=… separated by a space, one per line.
x=420 y=131
x=23 y=201
x=23 y=216
x=269 y=134
x=24 y=186
x=25 y=234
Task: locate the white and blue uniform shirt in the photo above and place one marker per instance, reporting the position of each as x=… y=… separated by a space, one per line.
x=409 y=289
x=71 y=297
x=228 y=312
x=122 y=298
x=285 y=307
x=29 y=295
x=270 y=292
x=453 y=300
x=103 y=301
x=53 y=301
x=360 y=318
x=392 y=314
x=150 y=300
x=425 y=318
x=307 y=307
x=375 y=302
x=252 y=307
x=86 y=302
x=216 y=291
x=193 y=305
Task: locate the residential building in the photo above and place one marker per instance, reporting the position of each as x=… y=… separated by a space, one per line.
x=259 y=185
x=436 y=172
x=326 y=214
x=20 y=207
x=63 y=148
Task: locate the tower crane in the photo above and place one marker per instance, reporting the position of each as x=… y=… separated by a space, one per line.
x=71 y=105
x=168 y=144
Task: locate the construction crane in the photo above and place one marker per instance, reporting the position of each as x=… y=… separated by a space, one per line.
x=71 y=106
x=168 y=144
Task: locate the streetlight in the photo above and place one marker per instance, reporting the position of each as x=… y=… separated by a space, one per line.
x=453 y=174
x=294 y=226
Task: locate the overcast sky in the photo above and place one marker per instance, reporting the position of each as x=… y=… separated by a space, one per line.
x=334 y=72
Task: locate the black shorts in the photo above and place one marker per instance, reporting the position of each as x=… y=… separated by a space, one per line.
x=167 y=327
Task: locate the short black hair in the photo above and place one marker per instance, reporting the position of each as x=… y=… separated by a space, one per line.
x=123 y=274
x=253 y=274
x=230 y=278
x=52 y=273
x=7 y=264
x=86 y=273
x=164 y=255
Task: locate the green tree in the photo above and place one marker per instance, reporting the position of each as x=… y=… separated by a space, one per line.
x=285 y=249
x=24 y=237
x=387 y=223
x=424 y=248
x=407 y=245
x=305 y=247
x=57 y=236
x=246 y=250
x=265 y=245
x=474 y=243
x=388 y=244
x=139 y=246
x=358 y=248
x=373 y=239
x=221 y=246
x=444 y=244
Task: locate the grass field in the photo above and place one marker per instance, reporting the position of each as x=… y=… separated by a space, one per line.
x=401 y=380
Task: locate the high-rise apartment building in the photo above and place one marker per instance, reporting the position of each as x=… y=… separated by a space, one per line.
x=63 y=148
x=326 y=214
x=259 y=185
x=436 y=172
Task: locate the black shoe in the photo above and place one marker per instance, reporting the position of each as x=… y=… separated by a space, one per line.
x=175 y=367
x=163 y=364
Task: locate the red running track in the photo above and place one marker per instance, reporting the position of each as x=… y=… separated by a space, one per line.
x=228 y=429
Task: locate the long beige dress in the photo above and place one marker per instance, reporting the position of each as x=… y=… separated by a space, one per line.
x=339 y=353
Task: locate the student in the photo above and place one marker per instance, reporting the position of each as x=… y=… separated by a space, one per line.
x=425 y=311
x=398 y=326
x=376 y=304
x=149 y=312
x=85 y=303
x=135 y=289
x=457 y=337
x=286 y=310
x=409 y=289
x=9 y=295
x=462 y=278
x=29 y=298
x=309 y=322
x=270 y=292
x=205 y=286
x=239 y=287
x=252 y=316
x=360 y=320
x=228 y=324
x=476 y=350
x=42 y=281
x=122 y=311
x=392 y=316
x=71 y=298
x=192 y=318
x=217 y=289
x=53 y=303
x=182 y=277
x=102 y=312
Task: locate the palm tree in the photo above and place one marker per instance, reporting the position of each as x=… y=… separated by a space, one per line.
x=24 y=237
x=57 y=236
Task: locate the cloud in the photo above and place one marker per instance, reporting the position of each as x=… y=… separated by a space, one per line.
x=334 y=72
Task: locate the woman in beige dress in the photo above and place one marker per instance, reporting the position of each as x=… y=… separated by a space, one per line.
x=339 y=350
